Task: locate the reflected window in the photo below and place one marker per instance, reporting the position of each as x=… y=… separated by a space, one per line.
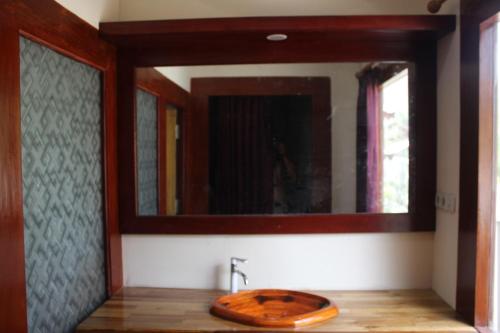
x=383 y=127
x=395 y=144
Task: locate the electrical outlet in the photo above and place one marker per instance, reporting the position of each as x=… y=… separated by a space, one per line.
x=446 y=202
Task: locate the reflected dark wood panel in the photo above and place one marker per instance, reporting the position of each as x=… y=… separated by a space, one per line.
x=197 y=122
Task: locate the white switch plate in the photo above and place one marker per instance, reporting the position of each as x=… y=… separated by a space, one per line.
x=446 y=201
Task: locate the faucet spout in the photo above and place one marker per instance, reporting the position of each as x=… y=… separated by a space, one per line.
x=235 y=272
x=244 y=276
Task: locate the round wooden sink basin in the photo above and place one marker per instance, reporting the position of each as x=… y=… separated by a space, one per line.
x=274 y=308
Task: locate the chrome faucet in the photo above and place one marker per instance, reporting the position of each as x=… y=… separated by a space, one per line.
x=235 y=272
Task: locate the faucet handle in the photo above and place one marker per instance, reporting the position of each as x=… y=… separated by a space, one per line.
x=235 y=260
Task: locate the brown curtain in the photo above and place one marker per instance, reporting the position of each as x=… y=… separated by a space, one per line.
x=369 y=143
x=241 y=164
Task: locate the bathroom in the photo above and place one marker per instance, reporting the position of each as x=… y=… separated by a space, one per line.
x=79 y=246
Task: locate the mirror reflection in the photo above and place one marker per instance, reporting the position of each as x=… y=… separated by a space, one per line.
x=327 y=138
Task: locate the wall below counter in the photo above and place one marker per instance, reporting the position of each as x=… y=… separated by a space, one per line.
x=316 y=262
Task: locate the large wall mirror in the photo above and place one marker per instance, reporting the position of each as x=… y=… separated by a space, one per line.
x=222 y=131
x=277 y=139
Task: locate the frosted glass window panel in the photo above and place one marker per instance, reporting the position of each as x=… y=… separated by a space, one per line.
x=62 y=189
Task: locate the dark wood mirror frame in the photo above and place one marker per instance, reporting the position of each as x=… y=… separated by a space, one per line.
x=311 y=39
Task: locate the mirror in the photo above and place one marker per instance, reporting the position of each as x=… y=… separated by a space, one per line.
x=322 y=138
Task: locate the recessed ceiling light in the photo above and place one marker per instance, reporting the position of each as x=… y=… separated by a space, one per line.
x=276 y=37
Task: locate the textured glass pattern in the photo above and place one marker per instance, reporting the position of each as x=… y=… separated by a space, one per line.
x=62 y=189
x=147 y=153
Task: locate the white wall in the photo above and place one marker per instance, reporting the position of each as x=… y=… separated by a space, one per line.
x=357 y=261
x=94 y=11
x=344 y=94
x=446 y=237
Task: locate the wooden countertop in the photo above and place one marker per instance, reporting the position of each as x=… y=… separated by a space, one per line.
x=156 y=310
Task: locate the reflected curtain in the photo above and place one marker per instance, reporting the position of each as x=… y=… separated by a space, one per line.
x=369 y=143
x=241 y=165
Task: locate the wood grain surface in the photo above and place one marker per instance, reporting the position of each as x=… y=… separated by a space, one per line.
x=242 y=40
x=274 y=308
x=187 y=310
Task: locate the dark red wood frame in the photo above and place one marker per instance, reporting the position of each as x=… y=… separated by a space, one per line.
x=197 y=145
x=223 y=41
x=168 y=93
x=48 y=23
x=476 y=162
x=242 y=40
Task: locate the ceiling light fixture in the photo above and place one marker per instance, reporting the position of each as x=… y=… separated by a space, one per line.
x=276 y=37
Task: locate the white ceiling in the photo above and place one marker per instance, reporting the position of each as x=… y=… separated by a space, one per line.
x=172 y=9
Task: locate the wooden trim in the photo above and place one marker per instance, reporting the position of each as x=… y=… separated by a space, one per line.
x=168 y=93
x=242 y=40
x=117 y=31
x=476 y=161
x=12 y=280
x=271 y=224
x=114 y=269
x=162 y=158
x=48 y=23
x=423 y=137
x=487 y=177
